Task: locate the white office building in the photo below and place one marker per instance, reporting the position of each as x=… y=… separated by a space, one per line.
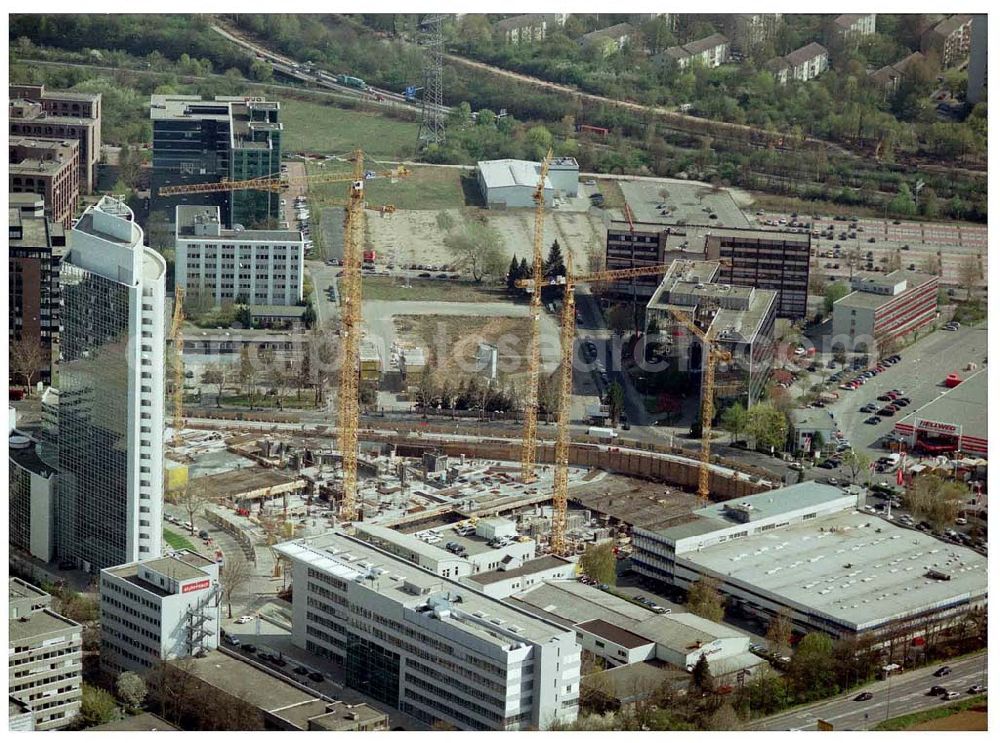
x=215 y=265
x=430 y=646
x=160 y=609
x=109 y=446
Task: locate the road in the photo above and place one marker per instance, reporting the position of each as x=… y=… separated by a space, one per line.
x=900 y=695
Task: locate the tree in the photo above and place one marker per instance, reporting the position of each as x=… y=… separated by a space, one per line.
x=705 y=600
x=734 y=420
x=479 y=249
x=837 y=290
x=701 y=676
x=779 y=632
x=27 y=357
x=216 y=375
x=599 y=563
x=191 y=499
x=131 y=689
x=932 y=264
x=767 y=425
x=236 y=573
x=620 y=319
x=856 y=462
x=97 y=707
x=554 y=265
x=970 y=271
x=812 y=673
x=616 y=401
x=724 y=718
x=445 y=222
x=248 y=374
x=513 y=274
x=935 y=499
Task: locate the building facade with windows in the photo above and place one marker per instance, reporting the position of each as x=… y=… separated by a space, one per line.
x=765 y=259
x=207 y=141
x=160 y=609
x=884 y=307
x=49 y=168
x=36 y=246
x=31 y=503
x=60 y=114
x=430 y=646
x=215 y=265
x=44 y=658
x=808 y=62
x=109 y=446
x=951 y=38
x=850 y=27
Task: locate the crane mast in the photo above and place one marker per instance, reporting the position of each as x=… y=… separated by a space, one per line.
x=350 y=318
x=177 y=343
x=528 y=452
x=560 y=478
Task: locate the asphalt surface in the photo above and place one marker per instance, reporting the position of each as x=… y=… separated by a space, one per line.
x=900 y=695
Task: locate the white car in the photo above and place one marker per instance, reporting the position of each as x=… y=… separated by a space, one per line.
x=244 y=620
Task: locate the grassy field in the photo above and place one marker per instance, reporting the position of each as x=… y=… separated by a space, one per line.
x=613 y=196
x=458 y=338
x=425 y=188
x=430 y=291
x=315 y=127
x=961 y=710
x=177 y=541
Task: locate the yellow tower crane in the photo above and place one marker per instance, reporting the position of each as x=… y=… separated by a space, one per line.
x=275 y=184
x=177 y=343
x=528 y=452
x=711 y=357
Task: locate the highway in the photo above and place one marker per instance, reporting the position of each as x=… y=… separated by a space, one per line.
x=899 y=695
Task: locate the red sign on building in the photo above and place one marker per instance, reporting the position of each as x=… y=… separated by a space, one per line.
x=196 y=586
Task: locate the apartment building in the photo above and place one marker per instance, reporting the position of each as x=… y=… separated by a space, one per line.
x=430 y=646
x=109 y=451
x=44 y=658
x=978 y=42
x=609 y=40
x=36 y=246
x=740 y=318
x=851 y=27
x=218 y=265
x=779 y=68
x=206 y=141
x=60 y=114
x=750 y=31
x=160 y=609
x=711 y=51
x=807 y=62
x=765 y=260
x=49 y=168
x=31 y=499
x=951 y=38
x=889 y=77
x=884 y=307
x=529 y=28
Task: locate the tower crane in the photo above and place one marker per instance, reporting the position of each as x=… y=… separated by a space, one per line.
x=534 y=351
x=276 y=184
x=710 y=358
x=177 y=343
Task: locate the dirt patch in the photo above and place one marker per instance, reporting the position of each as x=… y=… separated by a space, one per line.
x=970 y=719
x=454 y=341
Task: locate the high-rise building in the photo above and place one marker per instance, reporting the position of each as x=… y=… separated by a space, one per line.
x=31 y=499
x=49 y=168
x=44 y=658
x=217 y=265
x=63 y=114
x=430 y=646
x=765 y=259
x=206 y=141
x=158 y=609
x=976 y=90
x=109 y=446
x=36 y=247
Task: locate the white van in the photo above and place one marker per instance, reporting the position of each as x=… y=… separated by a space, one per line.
x=603 y=434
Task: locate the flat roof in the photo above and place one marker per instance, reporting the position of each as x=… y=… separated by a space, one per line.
x=235 y=483
x=839 y=567
x=613 y=633
x=771 y=236
x=350 y=558
x=637 y=681
x=41 y=622
x=327 y=715
x=860 y=298
x=242 y=680
x=20 y=589
x=964 y=405
x=571 y=601
x=811 y=418
x=684 y=631
x=546 y=562
x=28 y=459
x=142 y=722
x=187 y=215
x=508 y=172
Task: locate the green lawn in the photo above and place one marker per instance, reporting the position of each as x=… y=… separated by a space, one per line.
x=430 y=291
x=177 y=541
x=424 y=188
x=907 y=721
x=315 y=127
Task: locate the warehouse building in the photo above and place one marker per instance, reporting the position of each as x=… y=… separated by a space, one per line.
x=512 y=183
x=433 y=648
x=215 y=265
x=884 y=307
x=765 y=259
x=159 y=609
x=954 y=422
x=44 y=659
x=807 y=550
x=741 y=319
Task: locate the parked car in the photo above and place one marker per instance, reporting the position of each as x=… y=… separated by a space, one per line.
x=244 y=620
x=301 y=670
x=315 y=676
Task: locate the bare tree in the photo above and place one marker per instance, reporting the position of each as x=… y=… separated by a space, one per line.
x=216 y=374
x=236 y=573
x=191 y=499
x=27 y=356
x=779 y=632
x=970 y=271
